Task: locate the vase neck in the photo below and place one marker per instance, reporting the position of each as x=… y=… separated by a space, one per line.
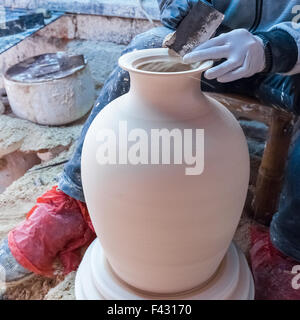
x=168 y=95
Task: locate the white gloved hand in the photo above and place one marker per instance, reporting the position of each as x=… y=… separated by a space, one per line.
x=244 y=52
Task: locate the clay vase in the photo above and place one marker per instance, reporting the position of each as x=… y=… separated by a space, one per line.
x=162 y=230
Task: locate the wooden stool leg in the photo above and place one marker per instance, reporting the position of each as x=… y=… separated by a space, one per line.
x=272 y=168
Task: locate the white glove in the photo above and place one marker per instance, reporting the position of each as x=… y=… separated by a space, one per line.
x=244 y=52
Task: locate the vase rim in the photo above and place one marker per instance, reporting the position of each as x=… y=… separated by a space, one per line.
x=132 y=60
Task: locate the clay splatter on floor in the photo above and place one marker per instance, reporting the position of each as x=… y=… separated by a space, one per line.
x=33 y=289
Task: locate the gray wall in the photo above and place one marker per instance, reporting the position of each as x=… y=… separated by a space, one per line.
x=119 y=8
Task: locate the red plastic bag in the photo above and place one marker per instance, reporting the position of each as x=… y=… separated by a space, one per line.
x=277 y=277
x=52 y=238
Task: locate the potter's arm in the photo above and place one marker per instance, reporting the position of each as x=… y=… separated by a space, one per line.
x=283 y=38
x=284 y=48
x=173 y=11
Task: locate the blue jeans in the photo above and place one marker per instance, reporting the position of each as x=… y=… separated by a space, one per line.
x=276 y=90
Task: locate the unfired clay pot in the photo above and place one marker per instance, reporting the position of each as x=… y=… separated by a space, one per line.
x=164 y=231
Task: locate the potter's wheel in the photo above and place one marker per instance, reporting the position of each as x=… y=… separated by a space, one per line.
x=95 y=280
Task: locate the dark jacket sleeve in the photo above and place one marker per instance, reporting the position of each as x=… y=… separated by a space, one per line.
x=282 y=51
x=173 y=11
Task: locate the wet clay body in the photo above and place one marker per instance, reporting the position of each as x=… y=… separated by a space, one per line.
x=164 y=231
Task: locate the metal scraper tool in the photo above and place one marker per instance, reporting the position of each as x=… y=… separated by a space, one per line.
x=197 y=27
